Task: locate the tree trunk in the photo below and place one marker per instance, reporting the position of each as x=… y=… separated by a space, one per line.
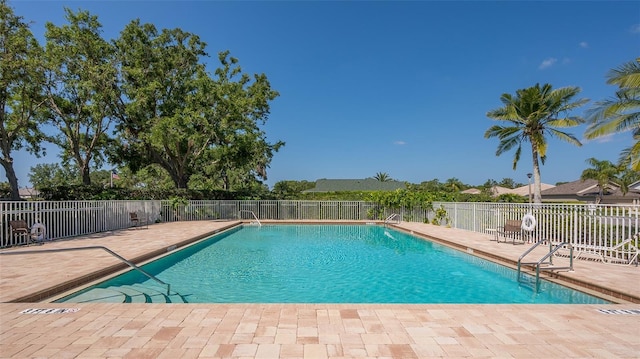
x=180 y=180
x=537 y=188
x=86 y=179
x=13 y=180
x=600 y=194
x=225 y=181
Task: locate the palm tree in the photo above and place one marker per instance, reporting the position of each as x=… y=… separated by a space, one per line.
x=626 y=178
x=382 y=177
x=604 y=172
x=621 y=113
x=453 y=184
x=532 y=114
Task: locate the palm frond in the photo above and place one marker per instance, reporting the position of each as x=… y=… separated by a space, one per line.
x=631 y=156
x=542 y=149
x=505 y=114
x=563 y=93
x=501 y=132
x=612 y=107
x=507 y=144
x=566 y=122
x=621 y=113
x=516 y=157
x=627 y=75
x=612 y=118
x=564 y=136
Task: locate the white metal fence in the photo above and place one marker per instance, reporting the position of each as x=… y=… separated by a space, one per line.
x=602 y=230
x=64 y=219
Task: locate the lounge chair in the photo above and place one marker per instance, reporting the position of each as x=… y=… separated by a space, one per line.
x=137 y=220
x=604 y=252
x=20 y=228
x=512 y=230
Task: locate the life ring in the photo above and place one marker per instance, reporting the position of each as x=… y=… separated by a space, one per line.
x=38 y=232
x=529 y=222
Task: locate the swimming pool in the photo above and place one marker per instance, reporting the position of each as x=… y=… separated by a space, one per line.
x=325 y=264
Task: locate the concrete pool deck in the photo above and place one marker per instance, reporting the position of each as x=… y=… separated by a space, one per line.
x=300 y=330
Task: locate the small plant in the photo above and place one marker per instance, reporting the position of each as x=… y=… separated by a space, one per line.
x=178 y=204
x=376 y=213
x=440 y=216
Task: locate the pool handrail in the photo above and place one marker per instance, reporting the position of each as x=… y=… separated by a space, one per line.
x=122 y=259
x=391 y=217
x=253 y=214
x=552 y=250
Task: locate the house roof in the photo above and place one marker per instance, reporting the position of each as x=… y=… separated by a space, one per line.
x=28 y=192
x=495 y=191
x=471 y=191
x=587 y=188
x=524 y=190
x=579 y=187
x=498 y=190
x=367 y=184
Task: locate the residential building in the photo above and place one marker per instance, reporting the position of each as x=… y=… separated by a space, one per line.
x=588 y=191
x=367 y=184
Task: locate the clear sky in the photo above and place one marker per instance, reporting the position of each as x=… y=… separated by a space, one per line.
x=400 y=87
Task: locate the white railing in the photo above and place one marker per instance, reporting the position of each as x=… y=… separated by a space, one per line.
x=591 y=229
x=64 y=219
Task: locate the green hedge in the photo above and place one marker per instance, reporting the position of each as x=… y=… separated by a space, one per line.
x=91 y=192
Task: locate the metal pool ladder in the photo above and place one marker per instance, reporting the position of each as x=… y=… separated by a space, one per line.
x=122 y=259
x=392 y=217
x=538 y=264
x=254 y=216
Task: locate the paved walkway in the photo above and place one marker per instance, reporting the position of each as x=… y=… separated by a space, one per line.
x=299 y=330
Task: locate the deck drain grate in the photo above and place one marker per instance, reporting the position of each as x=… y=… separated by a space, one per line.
x=620 y=311
x=49 y=310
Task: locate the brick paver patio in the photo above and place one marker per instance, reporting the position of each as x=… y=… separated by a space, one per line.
x=301 y=330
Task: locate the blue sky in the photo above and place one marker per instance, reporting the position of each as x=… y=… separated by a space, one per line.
x=395 y=87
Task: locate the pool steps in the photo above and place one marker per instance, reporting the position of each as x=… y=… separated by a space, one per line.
x=114 y=254
x=135 y=293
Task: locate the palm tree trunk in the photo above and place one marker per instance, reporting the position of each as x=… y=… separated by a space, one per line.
x=537 y=188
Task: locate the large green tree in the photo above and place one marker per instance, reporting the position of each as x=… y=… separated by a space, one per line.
x=81 y=88
x=531 y=115
x=621 y=113
x=152 y=176
x=291 y=189
x=21 y=84
x=174 y=114
x=49 y=175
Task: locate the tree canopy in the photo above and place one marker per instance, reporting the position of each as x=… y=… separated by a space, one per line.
x=21 y=83
x=174 y=114
x=80 y=89
x=621 y=113
x=142 y=100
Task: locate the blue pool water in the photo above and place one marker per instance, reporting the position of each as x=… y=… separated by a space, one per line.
x=330 y=264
